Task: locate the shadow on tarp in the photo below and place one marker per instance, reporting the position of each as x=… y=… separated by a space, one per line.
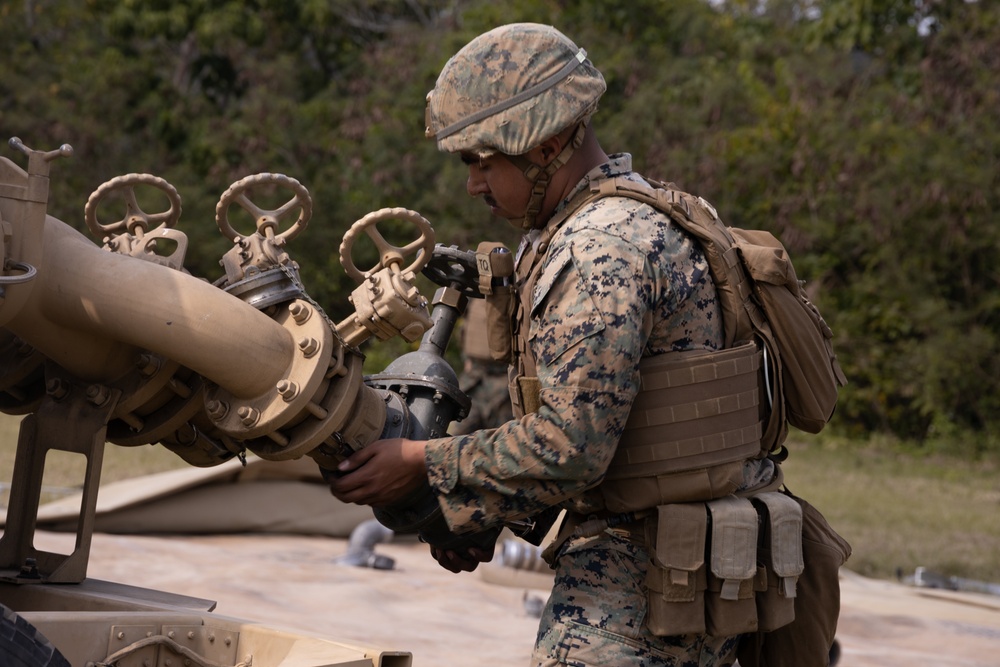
x=277 y=497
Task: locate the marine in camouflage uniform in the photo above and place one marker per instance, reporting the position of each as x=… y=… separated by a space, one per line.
x=611 y=282
x=618 y=282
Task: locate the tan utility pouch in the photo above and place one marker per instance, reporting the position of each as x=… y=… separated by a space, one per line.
x=695 y=420
x=780 y=558
x=529 y=389
x=525 y=393
x=675 y=580
x=475 y=341
x=496 y=268
x=730 y=606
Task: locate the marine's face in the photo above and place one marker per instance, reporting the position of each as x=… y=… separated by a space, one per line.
x=502 y=186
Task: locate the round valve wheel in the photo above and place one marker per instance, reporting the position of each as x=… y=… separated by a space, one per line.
x=135 y=218
x=267 y=221
x=389 y=254
x=454 y=268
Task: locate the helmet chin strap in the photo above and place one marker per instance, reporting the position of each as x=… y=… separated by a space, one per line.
x=541 y=177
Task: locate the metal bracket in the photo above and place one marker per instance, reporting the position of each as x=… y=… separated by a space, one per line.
x=65 y=421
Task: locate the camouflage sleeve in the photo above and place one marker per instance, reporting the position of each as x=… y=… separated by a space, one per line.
x=587 y=336
x=594 y=306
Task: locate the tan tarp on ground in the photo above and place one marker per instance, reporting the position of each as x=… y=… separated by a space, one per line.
x=286 y=497
x=463 y=620
x=293 y=579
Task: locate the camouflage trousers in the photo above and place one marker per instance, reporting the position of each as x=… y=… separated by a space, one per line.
x=597 y=611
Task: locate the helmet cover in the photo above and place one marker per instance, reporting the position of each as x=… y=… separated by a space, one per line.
x=510 y=89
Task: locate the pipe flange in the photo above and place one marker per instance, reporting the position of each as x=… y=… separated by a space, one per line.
x=404 y=382
x=185 y=399
x=245 y=418
x=261 y=289
x=320 y=419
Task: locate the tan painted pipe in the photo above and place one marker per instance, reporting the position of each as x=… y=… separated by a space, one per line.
x=90 y=309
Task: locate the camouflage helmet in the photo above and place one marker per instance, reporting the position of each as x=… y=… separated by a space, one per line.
x=510 y=89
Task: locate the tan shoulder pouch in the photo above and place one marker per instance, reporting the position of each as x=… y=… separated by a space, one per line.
x=496 y=268
x=780 y=554
x=675 y=580
x=730 y=607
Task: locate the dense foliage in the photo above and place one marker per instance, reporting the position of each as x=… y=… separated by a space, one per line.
x=863 y=133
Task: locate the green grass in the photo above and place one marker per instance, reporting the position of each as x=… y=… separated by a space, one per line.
x=898 y=509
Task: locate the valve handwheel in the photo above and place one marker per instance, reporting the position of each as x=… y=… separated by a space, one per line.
x=267 y=221
x=389 y=254
x=135 y=218
x=454 y=268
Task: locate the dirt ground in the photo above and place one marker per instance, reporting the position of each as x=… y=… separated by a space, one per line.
x=277 y=571
x=470 y=619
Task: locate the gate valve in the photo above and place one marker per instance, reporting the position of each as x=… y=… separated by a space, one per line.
x=262 y=250
x=133 y=234
x=386 y=303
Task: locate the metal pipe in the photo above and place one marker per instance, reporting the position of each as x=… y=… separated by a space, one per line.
x=89 y=302
x=361 y=546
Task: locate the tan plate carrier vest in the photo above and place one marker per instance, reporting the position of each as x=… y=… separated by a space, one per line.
x=696 y=419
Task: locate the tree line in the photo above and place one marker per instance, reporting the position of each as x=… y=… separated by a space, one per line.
x=863 y=134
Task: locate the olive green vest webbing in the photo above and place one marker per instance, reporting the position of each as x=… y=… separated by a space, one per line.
x=693 y=409
x=695 y=420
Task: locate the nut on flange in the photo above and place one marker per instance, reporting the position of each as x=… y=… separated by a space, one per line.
x=309 y=353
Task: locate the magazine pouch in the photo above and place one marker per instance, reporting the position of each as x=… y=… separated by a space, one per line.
x=730 y=605
x=676 y=581
x=779 y=557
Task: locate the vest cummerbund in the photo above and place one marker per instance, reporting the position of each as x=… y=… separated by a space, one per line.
x=694 y=410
